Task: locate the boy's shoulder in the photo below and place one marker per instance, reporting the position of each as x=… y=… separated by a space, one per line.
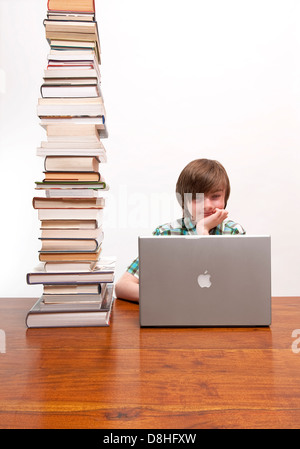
x=181 y=226
x=228 y=226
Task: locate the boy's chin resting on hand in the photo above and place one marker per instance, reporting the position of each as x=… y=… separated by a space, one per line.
x=211 y=221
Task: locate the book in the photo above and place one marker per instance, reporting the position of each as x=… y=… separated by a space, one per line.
x=70 y=257
x=56 y=15
x=55 y=189
x=69 y=224
x=69 y=267
x=97 y=122
x=68 y=307
x=70 y=245
x=70 y=107
x=75 y=193
x=72 y=55
x=101 y=274
x=72 y=299
x=72 y=66
x=71 y=163
x=71 y=5
x=58 y=184
x=84 y=176
x=81 y=60
x=68 y=203
x=74 y=132
x=76 y=290
x=84 y=145
x=76 y=90
x=68 y=81
x=85 y=266
x=43 y=152
x=71 y=233
x=71 y=131
x=71 y=214
x=40 y=315
x=70 y=71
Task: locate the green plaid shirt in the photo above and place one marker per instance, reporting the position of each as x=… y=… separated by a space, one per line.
x=185 y=226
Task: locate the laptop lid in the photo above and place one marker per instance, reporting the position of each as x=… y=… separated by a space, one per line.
x=205 y=280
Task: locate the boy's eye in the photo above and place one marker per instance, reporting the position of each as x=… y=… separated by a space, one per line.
x=215 y=197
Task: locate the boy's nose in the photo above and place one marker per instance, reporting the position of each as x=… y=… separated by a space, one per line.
x=208 y=204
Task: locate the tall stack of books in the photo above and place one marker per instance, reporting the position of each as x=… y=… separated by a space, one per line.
x=77 y=281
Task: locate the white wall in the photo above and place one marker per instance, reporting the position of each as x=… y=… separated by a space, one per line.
x=181 y=80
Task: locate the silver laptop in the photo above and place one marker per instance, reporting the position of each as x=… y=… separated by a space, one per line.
x=205 y=280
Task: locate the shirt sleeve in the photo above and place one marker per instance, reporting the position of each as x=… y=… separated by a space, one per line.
x=133 y=268
x=238 y=229
x=230 y=227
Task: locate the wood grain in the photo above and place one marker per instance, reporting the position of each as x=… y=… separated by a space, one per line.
x=127 y=377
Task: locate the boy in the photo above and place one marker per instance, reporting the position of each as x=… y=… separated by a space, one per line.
x=207 y=217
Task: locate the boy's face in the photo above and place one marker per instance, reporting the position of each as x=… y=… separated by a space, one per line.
x=212 y=201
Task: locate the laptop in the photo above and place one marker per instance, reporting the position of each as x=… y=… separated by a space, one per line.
x=188 y=281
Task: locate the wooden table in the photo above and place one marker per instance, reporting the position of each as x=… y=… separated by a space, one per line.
x=126 y=377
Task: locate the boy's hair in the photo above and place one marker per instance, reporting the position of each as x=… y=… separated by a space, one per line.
x=201 y=176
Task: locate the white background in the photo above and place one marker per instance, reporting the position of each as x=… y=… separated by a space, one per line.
x=181 y=80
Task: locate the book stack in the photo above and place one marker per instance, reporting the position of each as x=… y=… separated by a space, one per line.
x=77 y=280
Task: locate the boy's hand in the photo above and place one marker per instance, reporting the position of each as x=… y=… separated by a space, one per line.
x=205 y=225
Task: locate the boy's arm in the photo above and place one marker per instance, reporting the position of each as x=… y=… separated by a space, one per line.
x=127 y=287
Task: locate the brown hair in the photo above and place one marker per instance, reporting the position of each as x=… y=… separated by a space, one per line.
x=201 y=176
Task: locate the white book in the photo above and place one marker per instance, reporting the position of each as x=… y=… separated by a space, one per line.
x=69 y=131
x=101 y=273
x=71 y=233
x=70 y=289
x=76 y=193
x=50 y=91
x=98 y=122
x=71 y=214
x=71 y=245
x=75 y=108
x=55 y=15
x=72 y=55
x=43 y=152
x=73 y=145
x=69 y=267
x=65 y=72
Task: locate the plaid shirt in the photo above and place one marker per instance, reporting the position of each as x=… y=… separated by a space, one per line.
x=185 y=226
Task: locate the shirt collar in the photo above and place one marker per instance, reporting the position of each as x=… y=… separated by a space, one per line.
x=189 y=224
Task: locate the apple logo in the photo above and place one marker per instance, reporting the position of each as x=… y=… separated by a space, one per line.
x=204 y=280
